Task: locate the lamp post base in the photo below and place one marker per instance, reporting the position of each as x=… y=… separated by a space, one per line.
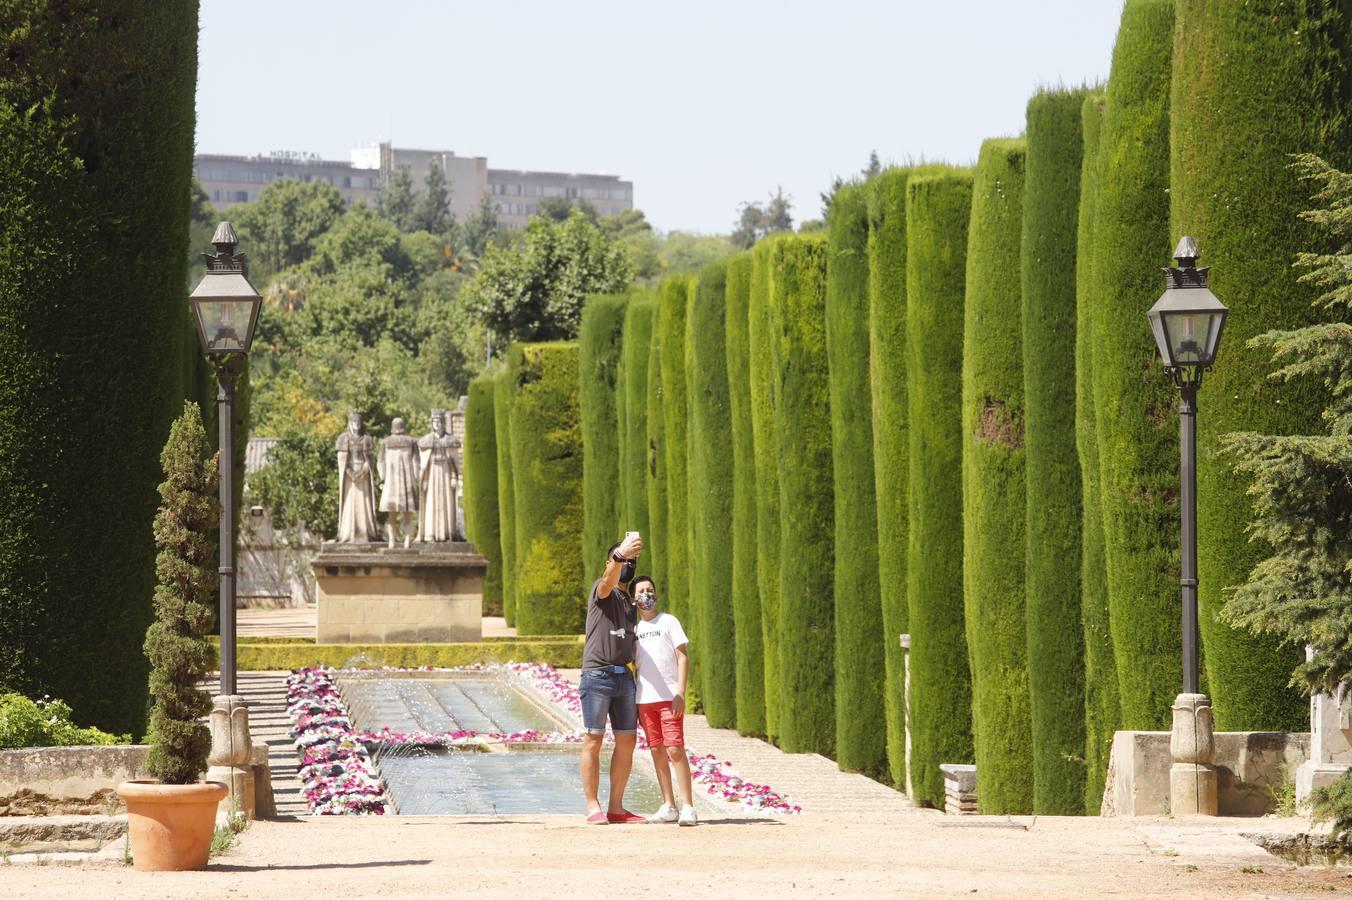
x=1192 y=777
x=231 y=757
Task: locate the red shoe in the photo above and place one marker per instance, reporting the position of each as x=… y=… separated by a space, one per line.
x=597 y=818
x=625 y=817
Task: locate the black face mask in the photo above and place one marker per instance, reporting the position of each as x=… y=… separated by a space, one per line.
x=627 y=572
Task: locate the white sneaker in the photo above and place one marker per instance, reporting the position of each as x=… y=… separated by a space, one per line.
x=688 y=816
x=665 y=813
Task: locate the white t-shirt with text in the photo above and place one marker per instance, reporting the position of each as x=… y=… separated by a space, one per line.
x=655 y=654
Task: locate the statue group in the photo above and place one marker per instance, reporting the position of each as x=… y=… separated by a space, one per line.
x=419 y=480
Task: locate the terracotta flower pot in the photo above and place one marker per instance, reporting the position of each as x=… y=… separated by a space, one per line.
x=171 y=824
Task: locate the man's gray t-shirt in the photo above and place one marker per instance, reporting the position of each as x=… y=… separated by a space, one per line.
x=611 y=622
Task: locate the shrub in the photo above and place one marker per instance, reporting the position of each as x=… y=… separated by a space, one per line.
x=1333 y=803
x=764 y=406
x=45 y=723
x=861 y=745
x=599 y=348
x=931 y=214
x=1102 y=707
x=746 y=589
x=1285 y=90
x=993 y=504
x=637 y=346
x=175 y=643
x=96 y=144
x=551 y=579
x=502 y=433
x=803 y=428
x=1055 y=651
x=1133 y=400
x=673 y=301
x=481 y=487
x=710 y=495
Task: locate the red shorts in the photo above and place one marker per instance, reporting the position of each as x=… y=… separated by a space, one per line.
x=659 y=725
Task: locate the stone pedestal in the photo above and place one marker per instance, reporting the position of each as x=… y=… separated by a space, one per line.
x=1330 y=743
x=231 y=758
x=1192 y=778
x=959 y=789
x=373 y=594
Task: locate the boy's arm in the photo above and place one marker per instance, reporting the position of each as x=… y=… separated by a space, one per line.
x=682 y=672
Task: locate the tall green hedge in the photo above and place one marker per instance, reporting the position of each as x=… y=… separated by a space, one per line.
x=764 y=405
x=746 y=592
x=932 y=217
x=807 y=719
x=502 y=424
x=599 y=349
x=1055 y=651
x=637 y=340
x=1102 y=707
x=994 y=506
x=654 y=562
x=673 y=302
x=551 y=590
x=1134 y=403
x=1253 y=83
x=861 y=745
x=711 y=494
x=481 y=487
x=96 y=148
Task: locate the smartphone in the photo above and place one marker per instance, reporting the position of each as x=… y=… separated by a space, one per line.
x=630 y=534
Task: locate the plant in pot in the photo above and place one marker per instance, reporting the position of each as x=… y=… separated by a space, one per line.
x=171 y=819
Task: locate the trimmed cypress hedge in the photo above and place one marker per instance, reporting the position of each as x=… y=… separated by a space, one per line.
x=764 y=405
x=673 y=301
x=655 y=541
x=1102 y=707
x=1134 y=404
x=1285 y=90
x=746 y=604
x=931 y=215
x=502 y=422
x=637 y=345
x=481 y=487
x=551 y=580
x=861 y=745
x=96 y=147
x=1055 y=650
x=710 y=494
x=599 y=348
x=807 y=719
x=993 y=504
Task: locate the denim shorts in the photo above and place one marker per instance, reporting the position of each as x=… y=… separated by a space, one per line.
x=605 y=693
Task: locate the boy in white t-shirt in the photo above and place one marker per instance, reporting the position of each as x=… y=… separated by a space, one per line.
x=663 y=666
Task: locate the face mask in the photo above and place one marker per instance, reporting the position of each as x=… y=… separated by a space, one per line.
x=627 y=572
x=646 y=601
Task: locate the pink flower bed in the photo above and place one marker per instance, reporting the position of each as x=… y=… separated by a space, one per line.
x=340 y=778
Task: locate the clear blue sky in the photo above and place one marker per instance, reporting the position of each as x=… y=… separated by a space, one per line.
x=701 y=104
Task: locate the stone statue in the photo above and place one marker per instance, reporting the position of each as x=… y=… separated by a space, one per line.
x=399 y=471
x=438 y=481
x=356 y=485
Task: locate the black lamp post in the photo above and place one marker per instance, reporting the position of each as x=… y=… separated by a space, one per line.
x=1187 y=322
x=225 y=307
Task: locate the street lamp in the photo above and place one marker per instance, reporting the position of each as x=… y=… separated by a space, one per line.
x=225 y=307
x=1187 y=321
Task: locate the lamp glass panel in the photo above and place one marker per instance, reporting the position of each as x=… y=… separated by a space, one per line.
x=225 y=324
x=1192 y=337
x=1161 y=339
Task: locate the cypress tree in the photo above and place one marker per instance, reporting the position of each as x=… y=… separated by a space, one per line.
x=638 y=328
x=746 y=609
x=599 y=349
x=937 y=210
x=861 y=746
x=502 y=427
x=672 y=306
x=764 y=405
x=551 y=578
x=96 y=144
x=993 y=508
x=655 y=541
x=711 y=494
x=1285 y=89
x=481 y=487
x=1133 y=401
x=1102 y=707
x=1055 y=647
x=806 y=506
